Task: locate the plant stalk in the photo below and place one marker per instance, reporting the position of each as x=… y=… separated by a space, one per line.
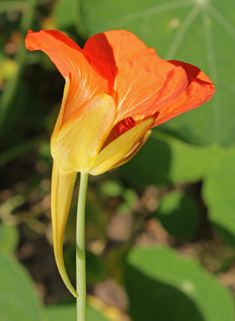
x=80 y=249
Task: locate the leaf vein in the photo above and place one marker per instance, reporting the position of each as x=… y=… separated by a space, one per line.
x=222 y=21
x=213 y=70
x=147 y=13
x=181 y=32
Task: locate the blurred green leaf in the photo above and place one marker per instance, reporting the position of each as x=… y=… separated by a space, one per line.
x=197 y=32
x=130 y=199
x=7 y=5
x=60 y=312
x=8 y=68
x=164 y=160
x=18 y=151
x=10 y=106
x=67 y=14
x=111 y=188
x=94 y=315
x=95 y=269
x=18 y=300
x=44 y=149
x=115 y=261
x=218 y=192
x=63 y=13
x=68 y=312
x=178 y=215
x=9 y=238
x=152 y=163
x=162 y=286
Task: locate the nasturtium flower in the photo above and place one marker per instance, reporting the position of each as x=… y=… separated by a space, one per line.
x=116 y=90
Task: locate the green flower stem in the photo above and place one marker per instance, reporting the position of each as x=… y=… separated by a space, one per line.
x=80 y=249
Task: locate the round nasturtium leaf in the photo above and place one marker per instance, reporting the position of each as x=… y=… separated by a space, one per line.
x=9 y=238
x=163 y=286
x=68 y=312
x=178 y=215
x=18 y=299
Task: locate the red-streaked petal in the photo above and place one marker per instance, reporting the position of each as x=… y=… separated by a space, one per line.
x=199 y=90
x=70 y=60
x=143 y=81
x=120 y=148
x=119 y=129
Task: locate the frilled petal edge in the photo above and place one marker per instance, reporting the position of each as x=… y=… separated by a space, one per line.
x=199 y=90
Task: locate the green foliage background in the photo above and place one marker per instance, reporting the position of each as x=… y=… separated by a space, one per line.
x=189 y=161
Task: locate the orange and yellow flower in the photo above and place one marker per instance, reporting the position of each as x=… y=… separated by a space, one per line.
x=116 y=90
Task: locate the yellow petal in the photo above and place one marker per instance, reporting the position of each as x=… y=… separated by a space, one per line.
x=82 y=136
x=61 y=194
x=134 y=150
x=114 y=152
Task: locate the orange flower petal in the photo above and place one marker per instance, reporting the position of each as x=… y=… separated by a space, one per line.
x=70 y=60
x=199 y=90
x=99 y=53
x=143 y=81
